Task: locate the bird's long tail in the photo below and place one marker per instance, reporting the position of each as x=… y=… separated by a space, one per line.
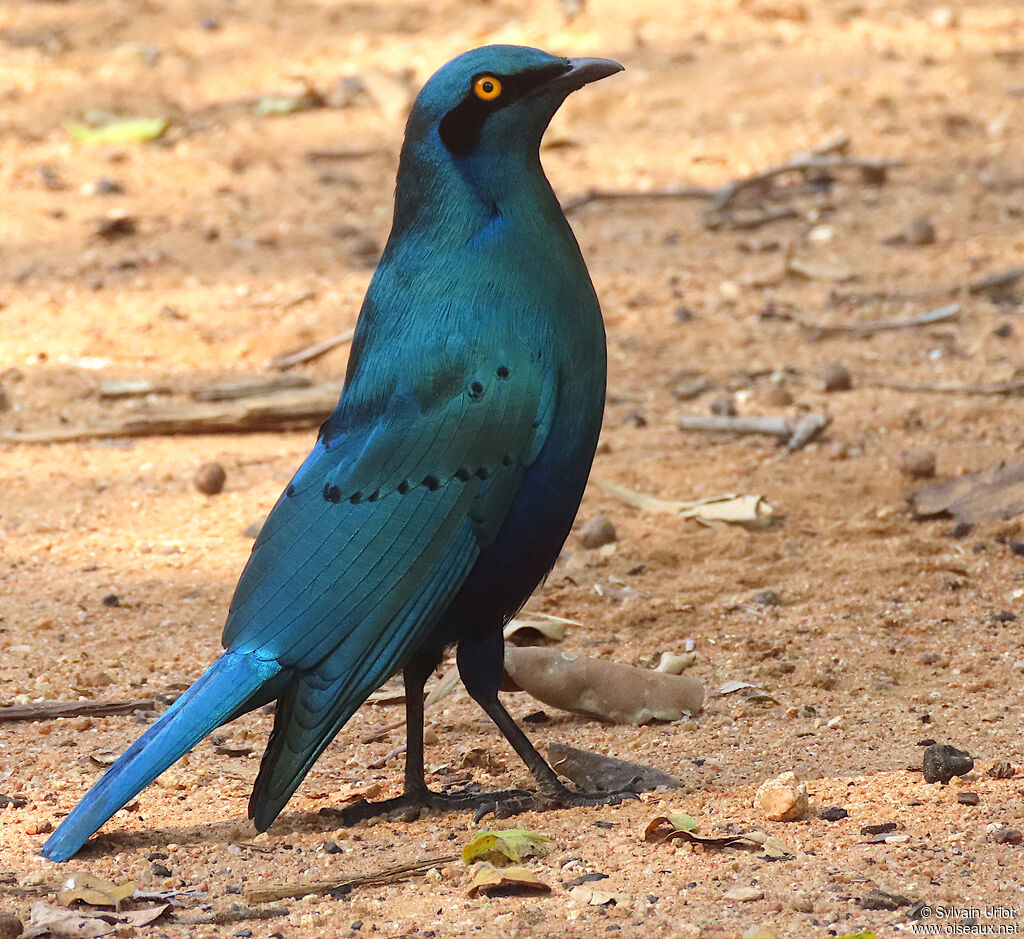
x=222 y=693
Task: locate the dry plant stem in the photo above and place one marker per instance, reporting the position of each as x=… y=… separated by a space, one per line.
x=304 y=407
x=290 y=360
x=824 y=330
x=226 y=917
x=285 y=891
x=799 y=164
x=1015 y=387
x=609 y=195
x=990 y=284
x=50 y=710
x=798 y=432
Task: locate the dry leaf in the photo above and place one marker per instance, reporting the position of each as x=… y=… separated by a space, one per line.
x=730 y=508
x=129 y=130
x=989 y=495
x=491 y=880
x=50 y=920
x=583 y=893
x=95 y=891
x=510 y=844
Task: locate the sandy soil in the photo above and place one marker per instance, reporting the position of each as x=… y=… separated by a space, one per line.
x=888 y=628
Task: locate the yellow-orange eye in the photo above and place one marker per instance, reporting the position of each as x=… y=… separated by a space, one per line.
x=487 y=88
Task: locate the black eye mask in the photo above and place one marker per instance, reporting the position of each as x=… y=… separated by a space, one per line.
x=460 y=127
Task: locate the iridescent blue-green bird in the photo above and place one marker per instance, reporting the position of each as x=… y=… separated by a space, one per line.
x=441 y=489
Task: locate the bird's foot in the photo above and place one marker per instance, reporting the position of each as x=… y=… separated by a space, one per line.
x=407 y=807
x=564 y=798
x=504 y=804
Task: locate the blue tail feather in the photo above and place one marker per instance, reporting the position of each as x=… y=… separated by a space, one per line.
x=219 y=695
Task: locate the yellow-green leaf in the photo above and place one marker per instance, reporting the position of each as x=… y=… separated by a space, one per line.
x=510 y=844
x=129 y=130
x=489 y=879
x=681 y=821
x=95 y=891
x=865 y=934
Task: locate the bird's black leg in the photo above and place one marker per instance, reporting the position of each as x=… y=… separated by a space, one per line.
x=481 y=665
x=417 y=796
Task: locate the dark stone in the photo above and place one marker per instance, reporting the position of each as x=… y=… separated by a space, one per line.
x=111 y=599
x=882 y=828
x=834 y=814
x=968 y=798
x=942 y=762
x=210 y=478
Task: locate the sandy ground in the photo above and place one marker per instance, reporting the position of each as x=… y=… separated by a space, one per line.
x=888 y=630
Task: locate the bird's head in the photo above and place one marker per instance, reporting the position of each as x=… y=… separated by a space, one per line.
x=485 y=111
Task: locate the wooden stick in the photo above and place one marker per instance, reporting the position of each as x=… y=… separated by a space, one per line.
x=390 y=875
x=50 y=710
x=309 y=353
x=303 y=407
x=608 y=195
x=803 y=163
x=1014 y=387
x=249 y=388
x=820 y=158
x=823 y=330
x=990 y=284
x=798 y=432
x=226 y=917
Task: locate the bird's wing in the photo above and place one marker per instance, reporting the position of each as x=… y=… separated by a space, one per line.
x=374 y=536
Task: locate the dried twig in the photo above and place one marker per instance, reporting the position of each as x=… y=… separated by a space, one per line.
x=609 y=195
x=993 y=284
x=828 y=156
x=797 y=431
x=227 y=917
x=802 y=163
x=1014 y=387
x=303 y=407
x=824 y=330
x=291 y=359
x=271 y=892
x=50 y=710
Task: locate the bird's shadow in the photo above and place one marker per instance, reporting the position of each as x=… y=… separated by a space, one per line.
x=233 y=831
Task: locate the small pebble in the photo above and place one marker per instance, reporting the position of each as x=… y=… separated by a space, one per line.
x=723 y=407
x=918 y=464
x=882 y=828
x=634 y=419
x=744 y=894
x=834 y=814
x=920 y=231
x=159 y=870
x=332 y=847
x=5 y=401
x=968 y=798
x=111 y=600
x=836 y=377
x=116 y=225
x=783 y=799
x=1003 y=616
x=1003 y=331
x=597 y=532
x=210 y=478
x=1007 y=836
x=942 y=762
x=766 y=598
x=10 y=926
x=683 y=314
x=802 y=903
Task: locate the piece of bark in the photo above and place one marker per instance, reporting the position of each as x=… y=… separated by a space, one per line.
x=303 y=407
x=233 y=390
x=597 y=688
x=270 y=892
x=595 y=773
x=49 y=710
x=991 y=494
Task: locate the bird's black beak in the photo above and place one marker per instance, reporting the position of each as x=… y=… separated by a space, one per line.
x=581 y=72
